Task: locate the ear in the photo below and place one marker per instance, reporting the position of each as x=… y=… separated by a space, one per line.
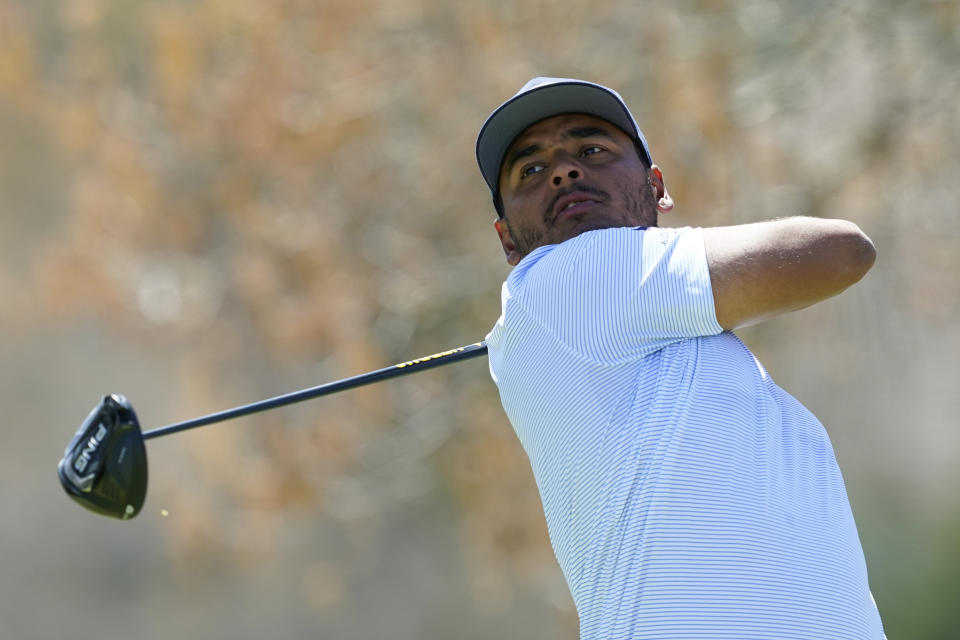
x=664 y=201
x=509 y=246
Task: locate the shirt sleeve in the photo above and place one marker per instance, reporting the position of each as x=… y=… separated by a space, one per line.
x=619 y=294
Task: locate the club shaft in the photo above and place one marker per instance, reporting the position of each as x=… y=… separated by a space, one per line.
x=393 y=371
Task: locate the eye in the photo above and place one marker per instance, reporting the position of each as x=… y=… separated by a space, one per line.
x=528 y=171
x=589 y=151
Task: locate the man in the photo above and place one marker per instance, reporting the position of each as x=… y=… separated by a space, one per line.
x=686 y=494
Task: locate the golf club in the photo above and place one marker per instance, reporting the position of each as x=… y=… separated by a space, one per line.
x=104 y=468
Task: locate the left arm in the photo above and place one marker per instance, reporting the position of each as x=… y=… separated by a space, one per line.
x=761 y=270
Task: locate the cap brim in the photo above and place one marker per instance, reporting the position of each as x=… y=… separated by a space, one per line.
x=530 y=107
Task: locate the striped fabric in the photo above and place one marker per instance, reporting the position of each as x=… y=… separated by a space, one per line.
x=686 y=494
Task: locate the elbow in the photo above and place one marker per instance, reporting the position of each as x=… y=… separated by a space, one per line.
x=864 y=253
x=856 y=252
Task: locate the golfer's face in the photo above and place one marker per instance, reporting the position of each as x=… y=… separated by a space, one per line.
x=569 y=174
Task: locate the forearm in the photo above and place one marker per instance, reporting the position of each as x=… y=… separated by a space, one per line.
x=763 y=269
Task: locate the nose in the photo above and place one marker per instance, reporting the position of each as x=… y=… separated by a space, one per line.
x=565 y=170
x=573 y=174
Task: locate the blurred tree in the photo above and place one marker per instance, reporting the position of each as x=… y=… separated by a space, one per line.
x=275 y=194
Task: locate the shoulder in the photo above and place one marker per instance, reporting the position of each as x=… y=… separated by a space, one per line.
x=618 y=250
x=588 y=242
x=642 y=247
x=632 y=237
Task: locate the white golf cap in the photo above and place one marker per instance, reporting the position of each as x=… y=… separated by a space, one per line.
x=542 y=98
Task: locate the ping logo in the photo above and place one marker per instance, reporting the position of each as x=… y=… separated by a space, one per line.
x=80 y=464
x=435 y=356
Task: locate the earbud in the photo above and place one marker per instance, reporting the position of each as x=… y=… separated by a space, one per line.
x=665 y=203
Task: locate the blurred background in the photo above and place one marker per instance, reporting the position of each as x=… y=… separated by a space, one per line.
x=205 y=203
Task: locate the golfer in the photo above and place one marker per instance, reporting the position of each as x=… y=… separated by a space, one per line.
x=685 y=493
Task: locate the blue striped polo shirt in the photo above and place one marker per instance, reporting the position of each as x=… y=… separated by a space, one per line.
x=686 y=494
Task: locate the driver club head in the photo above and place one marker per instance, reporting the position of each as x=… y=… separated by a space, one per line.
x=105 y=465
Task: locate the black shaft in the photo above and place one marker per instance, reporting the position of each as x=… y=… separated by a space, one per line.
x=411 y=366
